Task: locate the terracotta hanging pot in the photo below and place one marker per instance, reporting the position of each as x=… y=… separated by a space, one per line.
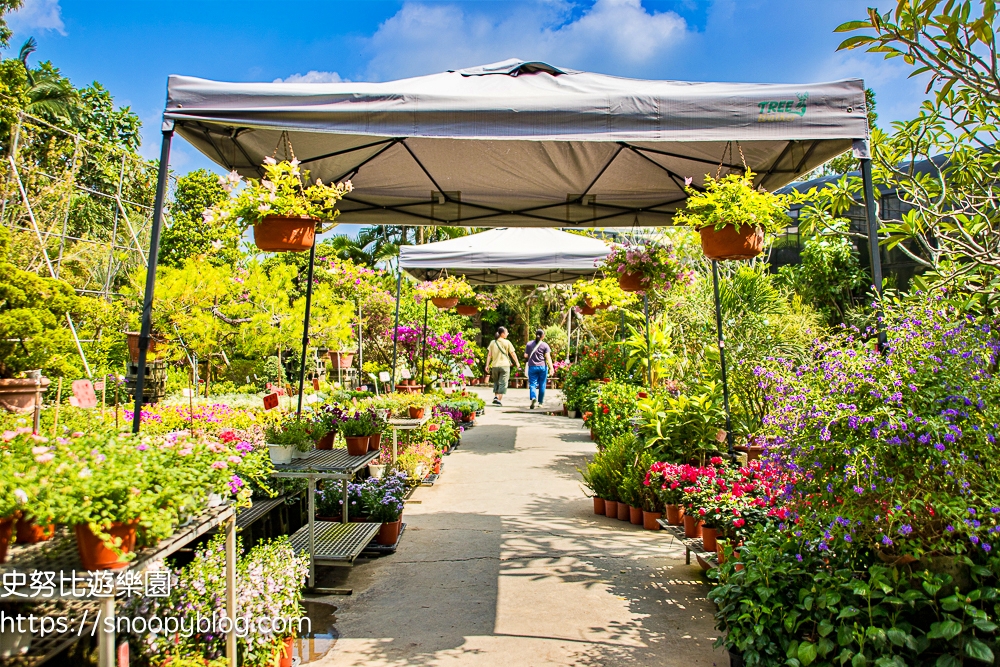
x=632 y=282
x=95 y=555
x=18 y=396
x=29 y=532
x=278 y=233
x=692 y=526
x=468 y=311
x=622 y=511
x=598 y=505
x=675 y=515
x=587 y=310
x=649 y=520
x=728 y=243
x=388 y=533
x=342 y=359
x=445 y=304
x=708 y=537
x=326 y=442
x=357 y=445
x=611 y=509
x=635 y=516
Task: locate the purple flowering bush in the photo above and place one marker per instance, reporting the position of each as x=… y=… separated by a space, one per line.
x=895 y=452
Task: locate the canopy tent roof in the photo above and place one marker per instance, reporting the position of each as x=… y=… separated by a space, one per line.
x=507 y=257
x=521 y=144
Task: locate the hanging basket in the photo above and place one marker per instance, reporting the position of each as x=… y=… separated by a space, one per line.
x=728 y=243
x=587 y=310
x=468 y=311
x=632 y=282
x=277 y=233
x=445 y=304
x=600 y=306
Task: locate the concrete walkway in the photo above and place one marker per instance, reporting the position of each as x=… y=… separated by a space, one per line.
x=504 y=564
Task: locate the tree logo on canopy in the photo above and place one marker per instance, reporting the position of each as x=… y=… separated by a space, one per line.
x=782 y=111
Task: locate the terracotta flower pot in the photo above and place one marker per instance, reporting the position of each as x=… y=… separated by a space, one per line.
x=675 y=515
x=611 y=509
x=341 y=359
x=415 y=413
x=720 y=554
x=634 y=516
x=374 y=442
x=468 y=311
x=29 y=532
x=285 y=654
x=445 y=304
x=357 y=445
x=326 y=442
x=587 y=310
x=388 y=533
x=598 y=505
x=631 y=282
x=708 y=537
x=649 y=520
x=6 y=530
x=692 y=526
x=622 y=511
x=132 y=339
x=728 y=243
x=277 y=233
x=18 y=396
x=94 y=555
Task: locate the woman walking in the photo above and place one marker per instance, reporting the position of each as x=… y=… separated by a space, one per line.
x=499 y=357
x=539 y=363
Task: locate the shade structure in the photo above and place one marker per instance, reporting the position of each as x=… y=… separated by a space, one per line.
x=508 y=256
x=521 y=144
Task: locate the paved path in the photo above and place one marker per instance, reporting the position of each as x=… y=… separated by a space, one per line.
x=504 y=563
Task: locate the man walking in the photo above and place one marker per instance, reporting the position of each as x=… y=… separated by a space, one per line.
x=499 y=357
x=539 y=363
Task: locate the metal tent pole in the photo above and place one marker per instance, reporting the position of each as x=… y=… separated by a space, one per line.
x=154 y=248
x=305 y=324
x=722 y=358
x=876 y=257
x=649 y=347
x=569 y=333
x=423 y=354
x=395 y=329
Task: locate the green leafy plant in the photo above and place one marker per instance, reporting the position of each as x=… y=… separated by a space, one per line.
x=602 y=292
x=687 y=427
x=733 y=200
x=300 y=433
x=449 y=287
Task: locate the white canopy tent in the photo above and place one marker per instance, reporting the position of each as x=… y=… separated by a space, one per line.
x=513 y=144
x=508 y=257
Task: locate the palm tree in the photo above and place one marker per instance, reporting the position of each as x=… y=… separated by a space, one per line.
x=49 y=93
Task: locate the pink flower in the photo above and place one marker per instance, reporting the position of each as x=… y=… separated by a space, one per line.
x=45 y=458
x=219 y=465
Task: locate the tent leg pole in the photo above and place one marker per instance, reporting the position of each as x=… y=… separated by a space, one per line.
x=154 y=249
x=876 y=256
x=305 y=324
x=395 y=328
x=649 y=347
x=569 y=332
x=423 y=354
x=722 y=359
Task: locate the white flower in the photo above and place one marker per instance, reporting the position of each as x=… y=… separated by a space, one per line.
x=84 y=473
x=21 y=496
x=217 y=245
x=208 y=215
x=270 y=160
x=295 y=162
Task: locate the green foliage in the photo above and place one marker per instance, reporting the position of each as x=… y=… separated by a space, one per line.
x=615 y=405
x=302 y=433
x=686 y=427
x=603 y=292
x=186 y=235
x=733 y=200
x=7 y=6
x=449 y=287
x=605 y=472
x=33 y=333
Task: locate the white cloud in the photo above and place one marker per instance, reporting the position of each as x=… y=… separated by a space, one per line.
x=312 y=76
x=38 y=15
x=618 y=36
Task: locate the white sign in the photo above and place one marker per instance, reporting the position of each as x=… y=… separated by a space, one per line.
x=309 y=399
x=405 y=374
x=187 y=392
x=384 y=376
x=467 y=372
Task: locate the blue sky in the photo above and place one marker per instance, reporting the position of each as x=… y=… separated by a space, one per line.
x=131 y=46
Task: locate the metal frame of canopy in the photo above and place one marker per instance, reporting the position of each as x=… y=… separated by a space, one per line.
x=646 y=130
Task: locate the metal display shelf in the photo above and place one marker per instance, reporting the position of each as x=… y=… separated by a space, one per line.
x=398 y=425
x=336 y=543
x=331 y=546
x=249 y=515
x=60 y=554
x=45 y=648
x=691 y=544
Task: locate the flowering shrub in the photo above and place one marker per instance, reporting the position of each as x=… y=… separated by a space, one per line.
x=603 y=292
x=269 y=583
x=895 y=452
x=656 y=261
x=616 y=405
x=449 y=287
x=449 y=348
x=281 y=191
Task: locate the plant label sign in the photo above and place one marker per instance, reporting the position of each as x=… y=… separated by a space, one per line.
x=405 y=373
x=467 y=372
x=270 y=401
x=384 y=376
x=99 y=385
x=83 y=394
x=316 y=384
x=187 y=392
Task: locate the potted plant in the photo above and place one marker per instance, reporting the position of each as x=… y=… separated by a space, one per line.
x=292 y=438
x=356 y=429
x=383 y=501
x=732 y=216
x=445 y=292
x=644 y=265
x=601 y=294
x=283 y=207
x=328 y=417
x=416 y=405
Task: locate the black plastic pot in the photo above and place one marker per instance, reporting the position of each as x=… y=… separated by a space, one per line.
x=735 y=659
